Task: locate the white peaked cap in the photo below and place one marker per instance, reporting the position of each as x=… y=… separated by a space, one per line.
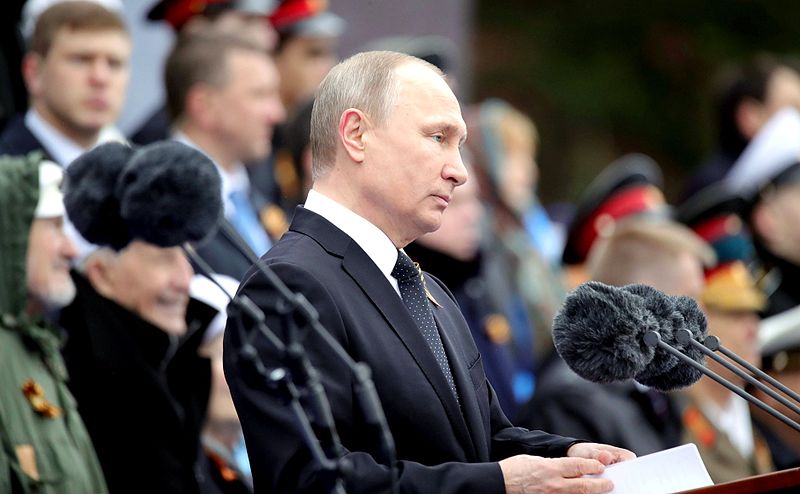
x=51 y=199
x=775 y=148
x=780 y=332
x=206 y=291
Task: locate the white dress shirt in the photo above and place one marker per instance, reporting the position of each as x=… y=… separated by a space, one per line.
x=733 y=420
x=368 y=236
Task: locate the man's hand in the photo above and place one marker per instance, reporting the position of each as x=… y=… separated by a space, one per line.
x=525 y=474
x=603 y=453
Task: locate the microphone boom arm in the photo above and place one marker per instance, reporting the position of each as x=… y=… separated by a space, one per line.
x=653 y=339
x=684 y=337
x=713 y=343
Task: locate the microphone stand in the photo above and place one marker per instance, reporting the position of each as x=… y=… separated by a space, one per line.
x=291 y=304
x=280 y=380
x=653 y=339
x=712 y=344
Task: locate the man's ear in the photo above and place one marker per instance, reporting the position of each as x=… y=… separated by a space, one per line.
x=31 y=73
x=353 y=126
x=199 y=105
x=97 y=269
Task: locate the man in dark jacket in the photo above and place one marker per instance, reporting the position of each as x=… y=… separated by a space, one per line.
x=386 y=136
x=133 y=330
x=76 y=72
x=134 y=367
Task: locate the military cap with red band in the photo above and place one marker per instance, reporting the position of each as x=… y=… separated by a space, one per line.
x=630 y=186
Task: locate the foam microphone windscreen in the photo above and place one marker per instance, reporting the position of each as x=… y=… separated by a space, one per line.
x=671 y=374
x=669 y=320
x=599 y=333
x=90 y=194
x=166 y=193
x=169 y=193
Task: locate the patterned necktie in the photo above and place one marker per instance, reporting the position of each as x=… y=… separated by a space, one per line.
x=412 y=290
x=246 y=222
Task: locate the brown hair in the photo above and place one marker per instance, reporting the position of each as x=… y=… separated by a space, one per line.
x=74 y=16
x=200 y=59
x=641 y=250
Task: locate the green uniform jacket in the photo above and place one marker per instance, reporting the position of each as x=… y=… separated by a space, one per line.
x=44 y=446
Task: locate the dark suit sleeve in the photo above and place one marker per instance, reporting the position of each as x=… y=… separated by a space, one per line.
x=280 y=461
x=508 y=440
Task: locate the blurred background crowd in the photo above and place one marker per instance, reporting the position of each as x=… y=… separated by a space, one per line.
x=614 y=142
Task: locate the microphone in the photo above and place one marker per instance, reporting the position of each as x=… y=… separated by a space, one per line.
x=673 y=313
x=677 y=356
x=599 y=332
x=600 y=329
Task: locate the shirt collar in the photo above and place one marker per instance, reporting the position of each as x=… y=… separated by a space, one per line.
x=236 y=180
x=369 y=237
x=63 y=150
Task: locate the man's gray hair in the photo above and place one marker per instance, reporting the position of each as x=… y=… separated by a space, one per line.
x=365 y=81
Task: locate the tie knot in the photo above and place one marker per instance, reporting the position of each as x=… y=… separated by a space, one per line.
x=404 y=268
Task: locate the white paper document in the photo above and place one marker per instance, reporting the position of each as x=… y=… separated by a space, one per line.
x=672 y=470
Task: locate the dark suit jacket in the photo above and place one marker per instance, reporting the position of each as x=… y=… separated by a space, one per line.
x=17 y=139
x=441 y=447
x=223 y=257
x=142 y=395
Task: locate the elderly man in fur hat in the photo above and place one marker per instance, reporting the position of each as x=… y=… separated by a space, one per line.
x=134 y=331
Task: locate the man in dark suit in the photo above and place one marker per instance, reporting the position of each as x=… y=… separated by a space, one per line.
x=223 y=98
x=76 y=72
x=386 y=134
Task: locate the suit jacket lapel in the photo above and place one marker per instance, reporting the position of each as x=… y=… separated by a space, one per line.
x=373 y=283
x=358 y=265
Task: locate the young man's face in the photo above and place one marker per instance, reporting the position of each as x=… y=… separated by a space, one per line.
x=79 y=86
x=49 y=254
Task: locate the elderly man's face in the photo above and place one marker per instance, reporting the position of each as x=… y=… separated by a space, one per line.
x=49 y=254
x=414 y=158
x=80 y=85
x=150 y=281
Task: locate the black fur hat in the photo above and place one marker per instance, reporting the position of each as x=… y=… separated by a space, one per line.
x=165 y=193
x=90 y=198
x=169 y=193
